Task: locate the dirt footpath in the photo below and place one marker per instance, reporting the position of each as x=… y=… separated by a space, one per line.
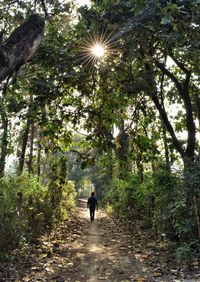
x=104 y=250
x=103 y=255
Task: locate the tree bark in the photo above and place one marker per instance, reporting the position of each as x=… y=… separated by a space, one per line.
x=24 y=145
x=121 y=151
x=196 y=214
x=167 y=159
x=30 y=164
x=198 y=108
x=4 y=143
x=4 y=139
x=183 y=91
x=20 y=46
x=39 y=156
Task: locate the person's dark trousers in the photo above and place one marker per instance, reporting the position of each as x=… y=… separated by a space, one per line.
x=92 y=215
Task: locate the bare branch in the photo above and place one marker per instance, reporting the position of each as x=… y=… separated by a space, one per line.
x=179 y=64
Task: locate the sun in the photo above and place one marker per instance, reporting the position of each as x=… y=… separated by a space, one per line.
x=95 y=49
x=98 y=50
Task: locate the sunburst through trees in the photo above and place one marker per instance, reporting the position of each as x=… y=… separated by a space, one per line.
x=97 y=49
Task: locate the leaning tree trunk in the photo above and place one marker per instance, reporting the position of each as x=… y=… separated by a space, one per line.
x=166 y=149
x=24 y=145
x=4 y=138
x=4 y=142
x=122 y=151
x=198 y=108
x=30 y=163
x=182 y=88
x=20 y=46
x=39 y=153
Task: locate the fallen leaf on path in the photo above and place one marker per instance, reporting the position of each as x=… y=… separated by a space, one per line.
x=157 y=274
x=140 y=279
x=49 y=269
x=42 y=256
x=34 y=268
x=144 y=256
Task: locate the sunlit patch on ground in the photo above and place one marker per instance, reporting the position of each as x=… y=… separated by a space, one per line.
x=85 y=251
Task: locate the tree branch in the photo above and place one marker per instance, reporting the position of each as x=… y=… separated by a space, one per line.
x=183 y=90
x=162 y=112
x=147 y=14
x=20 y=46
x=168 y=125
x=170 y=75
x=178 y=63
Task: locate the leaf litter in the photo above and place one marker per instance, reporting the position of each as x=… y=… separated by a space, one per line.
x=105 y=250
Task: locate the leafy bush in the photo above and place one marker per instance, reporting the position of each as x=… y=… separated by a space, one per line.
x=17 y=222
x=174 y=211
x=166 y=197
x=130 y=197
x=37 y=212
x=68 y=201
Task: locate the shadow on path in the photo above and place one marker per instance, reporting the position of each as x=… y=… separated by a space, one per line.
x=84 y=251
x=103 y=254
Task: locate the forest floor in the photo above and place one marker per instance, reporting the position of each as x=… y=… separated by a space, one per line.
x=104 y=250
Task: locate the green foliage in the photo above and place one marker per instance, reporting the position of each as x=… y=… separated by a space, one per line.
x=37 y=212
x=163 y=201
x=188 y=251
x=129 y=93
x=129 y=198
x=17 y=218
x=12 y=231
x=62 y=200
x=68 y=202
x=174 y=212
x=166 y=207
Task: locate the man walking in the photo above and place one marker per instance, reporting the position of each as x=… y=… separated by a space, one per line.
x=92 y=204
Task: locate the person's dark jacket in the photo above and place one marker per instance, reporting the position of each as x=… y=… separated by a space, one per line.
x=92 y=203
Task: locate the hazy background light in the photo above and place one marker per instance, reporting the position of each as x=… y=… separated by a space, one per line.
x=83 y=2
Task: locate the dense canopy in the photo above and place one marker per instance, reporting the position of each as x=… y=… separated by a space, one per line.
x=104 y=95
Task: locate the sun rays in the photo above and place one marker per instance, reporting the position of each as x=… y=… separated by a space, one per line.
x=96 y=49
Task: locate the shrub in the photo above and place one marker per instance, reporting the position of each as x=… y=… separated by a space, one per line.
x=130 y=197
x=19 y=222
x=67 y=202
x=38 y=210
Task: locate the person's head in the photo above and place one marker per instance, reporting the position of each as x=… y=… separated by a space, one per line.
x=92 y=194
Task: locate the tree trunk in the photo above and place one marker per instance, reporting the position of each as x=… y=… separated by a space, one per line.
x=39 y=157
x=121 y=151
x=30 y=163
x=24 y=145
x=110 y=164
x=198 y=108
x=4 y=143
x=4 y=139
x=167 y=159
x=197 y=214
x=183 y=92
x=20 y=46
x=140 y=167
